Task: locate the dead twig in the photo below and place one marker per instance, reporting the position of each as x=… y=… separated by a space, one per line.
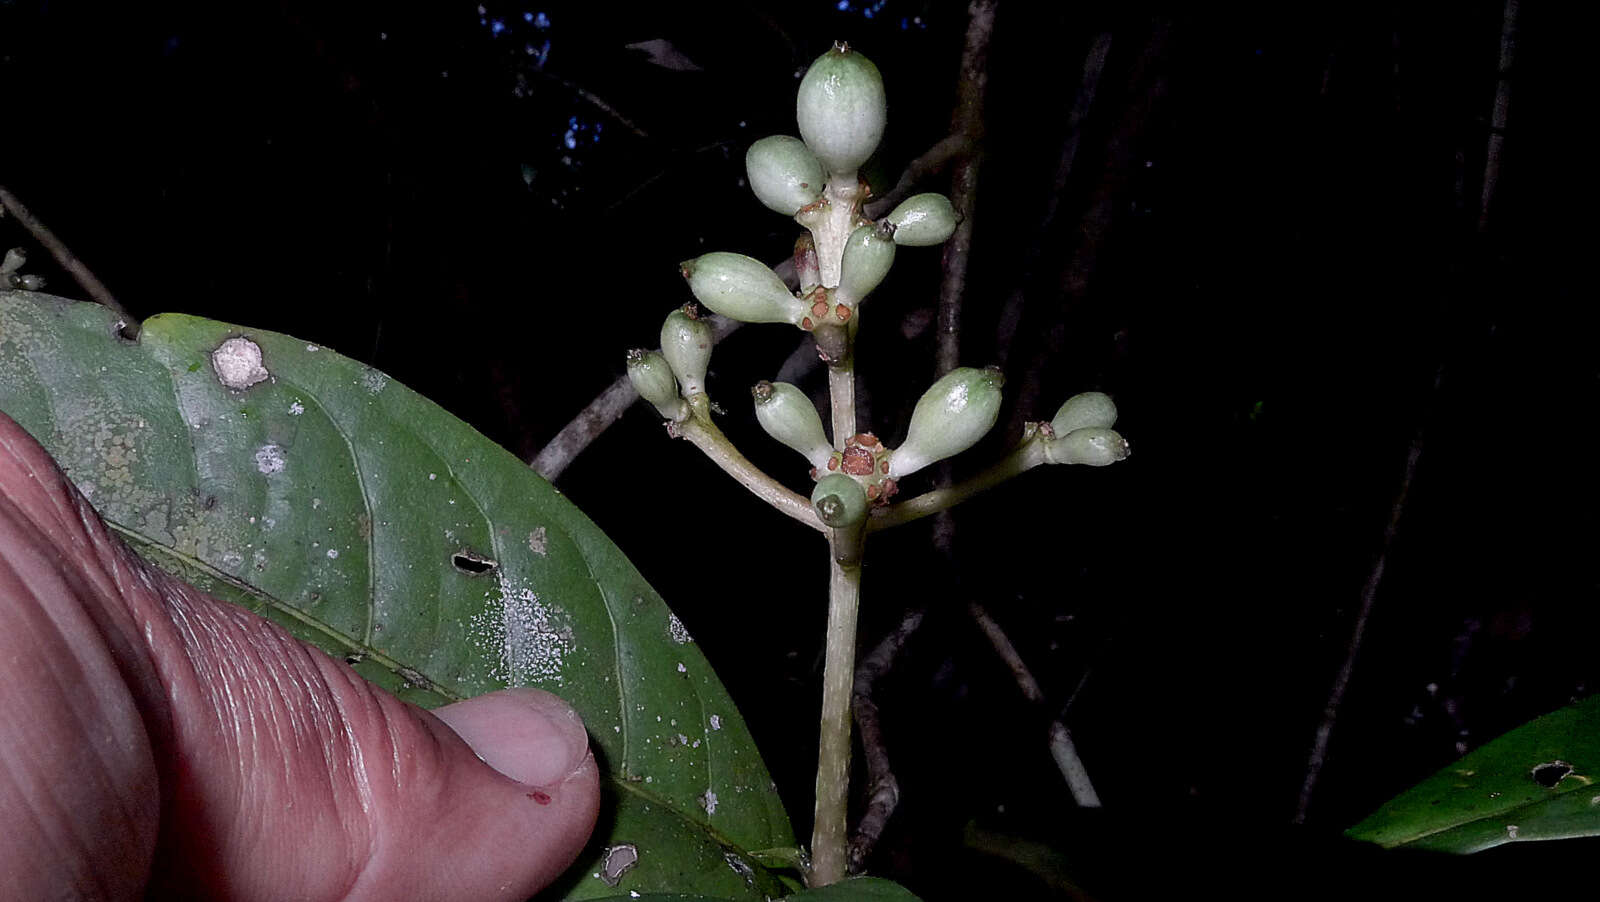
x=1502 y=111
x=1094 y=66
x=1358 y=629
x=64 y=256
x=614 y=400
x=930 y=163
x=966 y=121
x=1062 y=748
x=1148 y=83
x=883 y=790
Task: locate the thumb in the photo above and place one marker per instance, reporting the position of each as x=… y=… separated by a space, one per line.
x=155 y=735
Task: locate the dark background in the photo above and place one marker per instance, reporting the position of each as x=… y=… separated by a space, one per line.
x=1268 y=250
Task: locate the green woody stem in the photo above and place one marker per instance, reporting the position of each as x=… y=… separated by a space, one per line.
x=829 y=838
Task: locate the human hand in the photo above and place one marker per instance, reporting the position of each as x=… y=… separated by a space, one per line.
x=156 y=740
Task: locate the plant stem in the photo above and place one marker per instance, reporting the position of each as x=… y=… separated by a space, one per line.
x=829 y=863
x=65 y=257
x=842 y=400
x=704 y=434
x=1028 y=455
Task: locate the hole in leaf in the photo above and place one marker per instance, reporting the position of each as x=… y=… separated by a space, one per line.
x=1551 y=773
x=618 y=861
x=472 y=563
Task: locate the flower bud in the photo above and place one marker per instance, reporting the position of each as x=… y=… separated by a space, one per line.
x=1094 y=446
x=868 y=254
x=923 y=220
x=686 y=345
x=839 y=500
x=784 y=173
x=1091 y=408
x=741 y=288
x=790 y=417
x=652 y=377
x=950 y=418
x=842 y=110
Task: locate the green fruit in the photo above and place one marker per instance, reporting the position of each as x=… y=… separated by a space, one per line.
x=686 y=345
x=652 y=377
x=923 y=220
x=741 y=288
x=950 y=418
x=868 y=254
x=840 y=501
x=842 y=110
x=1091 y=408
x=784 y=173
x=1094 y=446
x=790 y=417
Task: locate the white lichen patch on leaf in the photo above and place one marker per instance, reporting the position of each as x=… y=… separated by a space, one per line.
x=538 y=542
x=676 y=629
x=269 y=460
x=373 y=380
x=716 y=722
x=296 y=408
x=709 y=801
x=527 y=639
x=237 y=363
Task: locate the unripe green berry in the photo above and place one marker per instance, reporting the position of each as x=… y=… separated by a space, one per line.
x=1091 y=408
x=868 y=254
x=790 y=417
x=950 y=418
x=1094 y=446
x=923 y=220
x=652 y=377
x=741 y=288
x=686 y=345
x=784 y=173
x=842 y=110
x=839 y=500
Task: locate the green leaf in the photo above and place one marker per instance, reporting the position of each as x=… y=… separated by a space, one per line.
x=1535 y=782
x=373 y=524
x=861 y=889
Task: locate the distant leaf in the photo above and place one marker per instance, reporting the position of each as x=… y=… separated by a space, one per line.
x=371 y=523
x=1535 y=782
x=662 y=52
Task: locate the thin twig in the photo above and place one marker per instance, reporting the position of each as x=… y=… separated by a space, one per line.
x=1369 y=592
x=967 y=122
x=612 y=402
x=883 y=790
x=1094 y=65
x=597 y=102
x=1149 y=83
x=65 y=257
x=1060 y=742
x=1501 y=115
x=930 y=163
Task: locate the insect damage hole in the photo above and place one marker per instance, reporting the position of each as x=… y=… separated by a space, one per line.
x=1551 y=773
x=619 y=860
x=472 y=563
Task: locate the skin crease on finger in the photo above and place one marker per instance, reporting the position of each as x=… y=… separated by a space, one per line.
x=155 y=739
